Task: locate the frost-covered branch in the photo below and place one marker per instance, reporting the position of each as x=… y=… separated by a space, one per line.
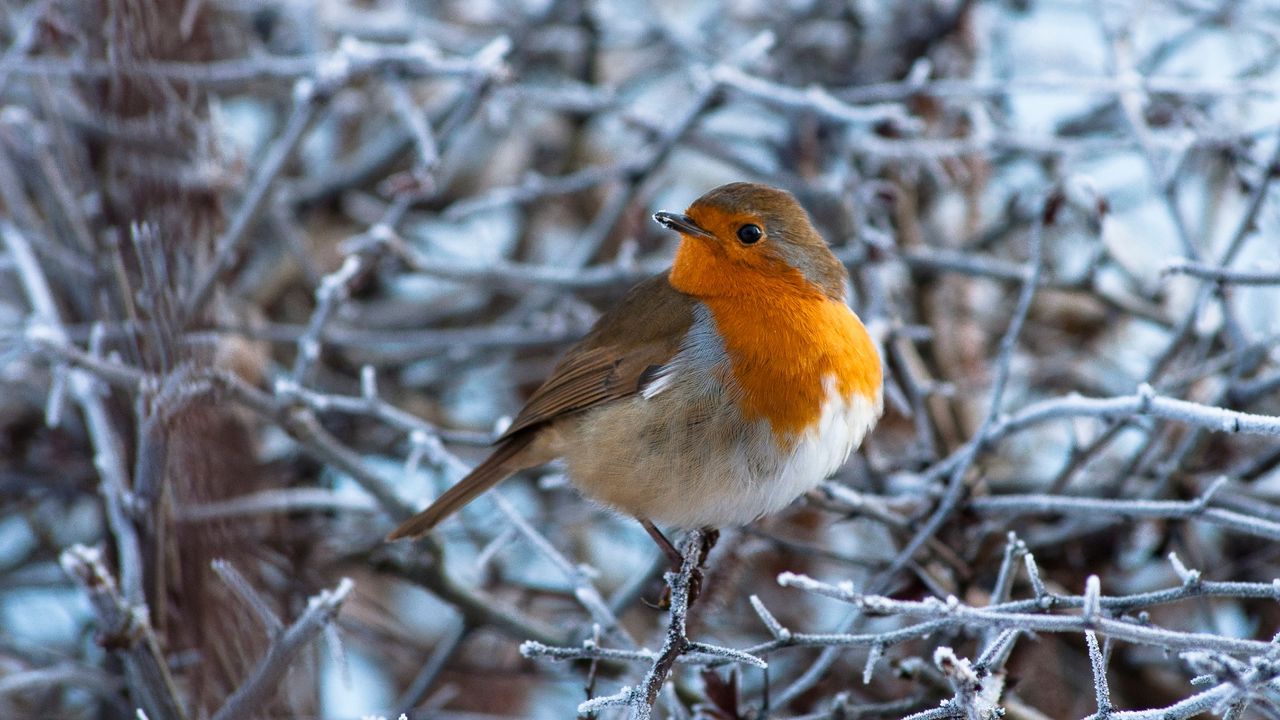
x=264 y=679
x=640 y=698
x=125 y=627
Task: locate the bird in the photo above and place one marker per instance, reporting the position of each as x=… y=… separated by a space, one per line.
x=712 y=394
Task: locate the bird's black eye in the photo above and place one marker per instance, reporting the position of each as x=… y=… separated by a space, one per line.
x=750 y=234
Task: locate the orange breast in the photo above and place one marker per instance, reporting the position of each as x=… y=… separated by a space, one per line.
x=784 y=341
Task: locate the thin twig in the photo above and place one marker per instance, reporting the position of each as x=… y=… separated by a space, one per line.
x=125 y=627
x=1004 y=358
x=264 y=680
x=1183 y=266
x=108 y=447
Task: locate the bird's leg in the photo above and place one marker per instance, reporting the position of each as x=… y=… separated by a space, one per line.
x=673 y=554
x=676 y=558
x=709 y=536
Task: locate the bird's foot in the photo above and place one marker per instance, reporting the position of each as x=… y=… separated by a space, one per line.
x=708 y=538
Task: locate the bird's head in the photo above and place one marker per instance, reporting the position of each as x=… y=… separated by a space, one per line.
x=741 y=238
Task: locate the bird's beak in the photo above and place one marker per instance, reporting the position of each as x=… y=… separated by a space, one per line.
x=682 y=224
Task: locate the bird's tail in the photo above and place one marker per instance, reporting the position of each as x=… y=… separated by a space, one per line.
x=501 y=463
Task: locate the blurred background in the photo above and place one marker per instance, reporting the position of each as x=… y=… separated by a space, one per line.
x=274 y=272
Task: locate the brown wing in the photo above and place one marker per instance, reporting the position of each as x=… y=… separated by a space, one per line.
x=613 y=361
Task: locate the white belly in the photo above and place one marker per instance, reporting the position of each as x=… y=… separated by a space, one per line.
x=700 y=464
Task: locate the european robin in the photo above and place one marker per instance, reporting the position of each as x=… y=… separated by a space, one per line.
x=712 y=394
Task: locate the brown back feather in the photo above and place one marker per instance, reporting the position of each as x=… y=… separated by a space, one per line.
x=644 y=329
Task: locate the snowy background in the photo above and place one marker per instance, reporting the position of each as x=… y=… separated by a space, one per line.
x=273 y=273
